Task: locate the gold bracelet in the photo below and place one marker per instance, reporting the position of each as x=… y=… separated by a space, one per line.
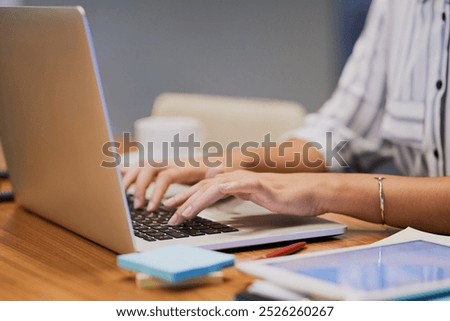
x=381 y=195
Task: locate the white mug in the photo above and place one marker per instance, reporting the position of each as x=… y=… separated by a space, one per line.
x=166 y=137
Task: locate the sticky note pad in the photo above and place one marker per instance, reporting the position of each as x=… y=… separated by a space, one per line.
x=145 y=281
x=176 y=263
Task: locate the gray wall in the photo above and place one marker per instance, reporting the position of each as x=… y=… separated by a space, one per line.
x=262 y=48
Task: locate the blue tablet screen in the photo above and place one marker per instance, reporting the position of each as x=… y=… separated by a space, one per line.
x=378 y=268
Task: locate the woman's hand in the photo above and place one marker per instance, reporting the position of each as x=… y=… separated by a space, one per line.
x=162 y=177
x=279 y=193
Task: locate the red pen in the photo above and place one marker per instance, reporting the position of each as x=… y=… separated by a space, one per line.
x=285 y=250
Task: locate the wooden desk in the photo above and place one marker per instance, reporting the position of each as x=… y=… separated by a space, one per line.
x=42 y=261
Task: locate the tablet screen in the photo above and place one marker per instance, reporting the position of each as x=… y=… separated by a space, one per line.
x=378 y=268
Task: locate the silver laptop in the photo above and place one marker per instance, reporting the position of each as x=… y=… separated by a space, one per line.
x=53 y=125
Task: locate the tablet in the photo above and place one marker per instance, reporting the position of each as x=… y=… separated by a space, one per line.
x=414 y=270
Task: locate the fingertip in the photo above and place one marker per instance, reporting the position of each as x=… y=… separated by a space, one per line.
x=139 y=194
x=151 y=206
x=169 y=202
x=175 y=220
x=187 y=213
x=126 y=182
x=137 y=202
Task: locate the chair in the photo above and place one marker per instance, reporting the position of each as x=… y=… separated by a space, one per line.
x=228 y=119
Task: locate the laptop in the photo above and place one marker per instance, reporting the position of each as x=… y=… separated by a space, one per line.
x=53 y=126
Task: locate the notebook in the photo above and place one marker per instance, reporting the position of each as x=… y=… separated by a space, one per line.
x=54 y=126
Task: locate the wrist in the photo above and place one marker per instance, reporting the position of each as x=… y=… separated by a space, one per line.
x=355 y=195
x=325 y=192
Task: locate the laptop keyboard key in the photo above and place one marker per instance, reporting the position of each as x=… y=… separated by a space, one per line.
x=148 y=238
x=163 y=237
x=210 y=231
x=177 y=234
x=194 y=232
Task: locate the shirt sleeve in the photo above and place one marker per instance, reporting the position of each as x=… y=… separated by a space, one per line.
x=347 y=124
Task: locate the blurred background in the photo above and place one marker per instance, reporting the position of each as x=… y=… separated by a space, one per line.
x=280 y=49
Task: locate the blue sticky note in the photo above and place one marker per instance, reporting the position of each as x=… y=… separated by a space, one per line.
x=176 y=263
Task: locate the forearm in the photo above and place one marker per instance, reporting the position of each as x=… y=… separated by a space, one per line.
x=423 y=203
x=291 y=156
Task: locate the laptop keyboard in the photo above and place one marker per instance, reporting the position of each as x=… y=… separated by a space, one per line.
x=152 y=226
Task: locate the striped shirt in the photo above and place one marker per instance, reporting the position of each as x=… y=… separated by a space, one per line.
x=390 y=102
